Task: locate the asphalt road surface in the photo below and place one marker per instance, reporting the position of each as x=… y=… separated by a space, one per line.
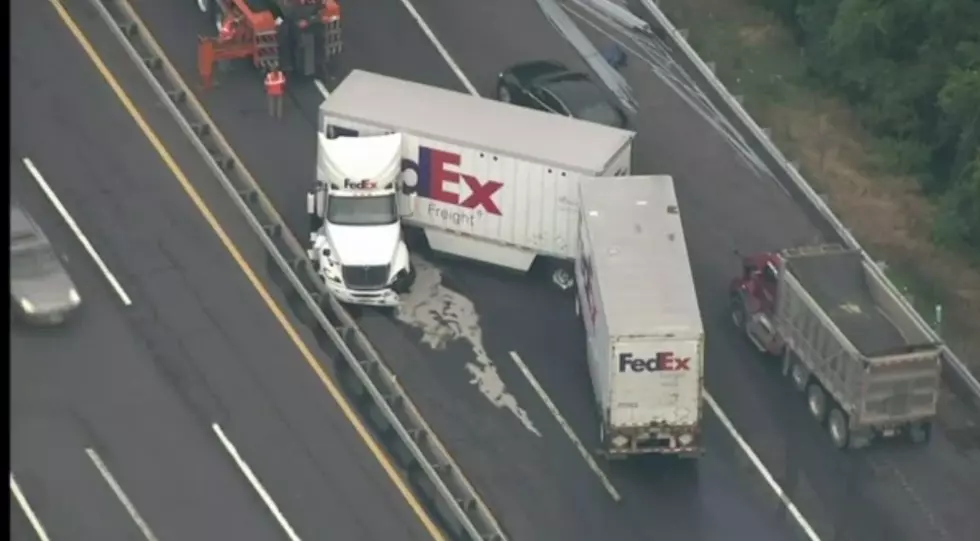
x=142 y=385
x=536 y=484
x=460 y=373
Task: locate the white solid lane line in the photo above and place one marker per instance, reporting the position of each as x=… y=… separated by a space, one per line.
x=254 y=481
x=442 y=50
x=77 y=231
x=565 y=426
x=42 y=534
x=322 y=88
x=121 y=495
x=763 y=471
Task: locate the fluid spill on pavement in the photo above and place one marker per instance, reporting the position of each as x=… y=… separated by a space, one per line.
x=443 y=316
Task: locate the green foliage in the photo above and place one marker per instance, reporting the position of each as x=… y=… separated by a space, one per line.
x=911 y=69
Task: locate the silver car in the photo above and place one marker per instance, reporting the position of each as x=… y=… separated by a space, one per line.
x=40 y=289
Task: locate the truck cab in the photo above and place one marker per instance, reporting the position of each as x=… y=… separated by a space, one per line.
x=356 y=242
x=753 y=300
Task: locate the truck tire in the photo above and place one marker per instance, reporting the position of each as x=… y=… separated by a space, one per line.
x=920 y=433
x=562 y=275
x=216 y=16
x=799 y=374
x=737 y=311
x=816 y=401
x=840 y=433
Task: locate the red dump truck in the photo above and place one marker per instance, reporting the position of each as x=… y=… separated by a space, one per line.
x=867 y=369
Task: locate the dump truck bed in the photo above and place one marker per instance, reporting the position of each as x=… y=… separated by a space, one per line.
x=838 y=284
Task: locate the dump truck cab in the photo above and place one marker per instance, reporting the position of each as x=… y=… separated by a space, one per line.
x=753 y=300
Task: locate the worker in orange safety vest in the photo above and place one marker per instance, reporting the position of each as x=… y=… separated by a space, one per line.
x=275 y=87
x=230 y=27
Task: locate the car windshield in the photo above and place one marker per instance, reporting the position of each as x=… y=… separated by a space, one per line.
x=375 y=210
x=585 y=100
x=35 y=262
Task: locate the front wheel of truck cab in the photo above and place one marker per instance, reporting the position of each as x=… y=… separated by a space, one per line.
x=737 y=311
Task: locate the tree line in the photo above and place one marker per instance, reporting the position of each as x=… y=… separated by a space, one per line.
x=911 y=70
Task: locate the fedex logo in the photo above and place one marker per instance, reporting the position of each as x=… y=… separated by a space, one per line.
x=364 y=184
x=438 y=170
x=664 y=361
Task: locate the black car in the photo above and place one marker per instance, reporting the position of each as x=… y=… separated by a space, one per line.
x=550 y=86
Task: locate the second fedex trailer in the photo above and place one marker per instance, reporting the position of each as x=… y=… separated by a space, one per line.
x=642 y=321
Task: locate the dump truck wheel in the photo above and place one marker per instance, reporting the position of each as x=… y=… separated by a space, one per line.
x=738 y=312
x=837 y=426
x=799 y=375
x=816 y=399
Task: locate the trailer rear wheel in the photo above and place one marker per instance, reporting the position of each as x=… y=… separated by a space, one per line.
x=837 y=426
x=919 y=433
x=816 y=399
x=562 y=275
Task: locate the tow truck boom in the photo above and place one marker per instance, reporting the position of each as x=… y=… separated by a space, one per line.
x=299 y=36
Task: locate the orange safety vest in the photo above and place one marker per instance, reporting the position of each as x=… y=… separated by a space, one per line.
x=229 y=29
x=275 y=83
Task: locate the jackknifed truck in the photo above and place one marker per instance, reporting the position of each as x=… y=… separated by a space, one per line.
x=866 y=368
x=642 y=321
x=483 y=180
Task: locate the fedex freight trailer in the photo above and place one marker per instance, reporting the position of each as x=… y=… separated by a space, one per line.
x=485 y=180
x=640 y=311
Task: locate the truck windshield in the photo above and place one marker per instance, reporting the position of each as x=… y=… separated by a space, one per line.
x=378 y=210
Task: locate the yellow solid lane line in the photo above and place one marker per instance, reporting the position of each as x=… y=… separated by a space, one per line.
x=202 y=207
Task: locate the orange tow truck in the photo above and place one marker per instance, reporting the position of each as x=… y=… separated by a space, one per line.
x=302 y=37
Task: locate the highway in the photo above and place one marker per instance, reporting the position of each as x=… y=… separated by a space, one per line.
x=537 y=485
x=478 y=402
x=112 y=421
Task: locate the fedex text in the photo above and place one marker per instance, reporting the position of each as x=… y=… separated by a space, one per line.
x=440 y=179
x=364 y=184
x=664 y=361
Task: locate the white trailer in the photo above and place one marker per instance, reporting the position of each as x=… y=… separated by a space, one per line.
x=484 y=180
x=640 y=311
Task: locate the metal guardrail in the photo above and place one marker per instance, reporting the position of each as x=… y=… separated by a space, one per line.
x=429 y=468
x=666 y=30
